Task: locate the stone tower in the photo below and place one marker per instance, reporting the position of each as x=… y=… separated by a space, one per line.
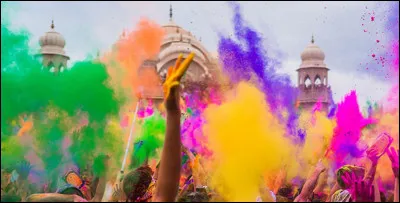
x=52 y=51
x=313 y=78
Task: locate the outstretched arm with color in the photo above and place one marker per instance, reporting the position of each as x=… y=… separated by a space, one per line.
x=168 y=181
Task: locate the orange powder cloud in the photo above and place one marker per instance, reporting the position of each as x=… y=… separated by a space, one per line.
x=128 y=54
x=387 y=122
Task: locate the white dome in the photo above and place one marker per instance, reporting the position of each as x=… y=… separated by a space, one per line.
x=179 y=40
x=312 y=53
x=52 y=42
x=312 y=56
x=52 y=38
x=172 y=28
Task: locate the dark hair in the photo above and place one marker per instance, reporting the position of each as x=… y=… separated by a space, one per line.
x=282 y=199
x=383 y=197
x=136 y=182
x=285 y=191
x=195 y=197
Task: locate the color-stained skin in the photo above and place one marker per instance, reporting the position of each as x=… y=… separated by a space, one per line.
x=175 y=73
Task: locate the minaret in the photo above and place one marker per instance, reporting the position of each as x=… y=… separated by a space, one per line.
x=52 y=51
x=170 y=12
x=313 y=78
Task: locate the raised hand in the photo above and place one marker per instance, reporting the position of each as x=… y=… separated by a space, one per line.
x=23 y=168
x=320 y=166
x=350 y=179
x=373 y=155
x=362 y=192
x=394 y=157
x=172 y=81
x=117 y=194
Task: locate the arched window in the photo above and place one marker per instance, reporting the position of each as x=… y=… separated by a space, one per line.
x=51 y=67
x=317 y=81
x=325 y=81
x=307 y=81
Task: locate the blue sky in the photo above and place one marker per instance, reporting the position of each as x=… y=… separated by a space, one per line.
x=286 y=26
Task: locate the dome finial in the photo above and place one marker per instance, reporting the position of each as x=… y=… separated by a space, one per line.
x=52 y=24
x=170 y=11
x=312 y=38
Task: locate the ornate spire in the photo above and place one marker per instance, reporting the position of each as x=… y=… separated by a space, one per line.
x=312 y=38
x=170 y=12
x=52 y=24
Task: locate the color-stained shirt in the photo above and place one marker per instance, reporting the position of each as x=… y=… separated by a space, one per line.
x=341 y=196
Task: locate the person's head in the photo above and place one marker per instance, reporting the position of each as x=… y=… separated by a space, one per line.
x=348 y=169
x=286 y=191
x=136 y=182
x=195 y=197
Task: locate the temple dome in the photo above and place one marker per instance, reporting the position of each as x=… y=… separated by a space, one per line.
x=312 y=53
x=52 y=38
x=52 y=42
x=312 y=56
x=172 y=28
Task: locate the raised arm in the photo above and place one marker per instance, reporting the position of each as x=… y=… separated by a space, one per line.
x=371 y=170
x=101 y=186
x=335 y=188
x=394 y=157
x=170 y=167
x=311 y=182
x=54 y=197
x=189 y=153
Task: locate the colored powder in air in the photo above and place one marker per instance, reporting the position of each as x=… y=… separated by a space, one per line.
x=48 y=143
x=192 y=135
x=347 y=132
x=29 y=89
x=92 y=141
x=12 y=151
x=319 y=135
x=247 y=56
x=387 y=122
x=151 y=137
x=127 y=56
x=246 y=140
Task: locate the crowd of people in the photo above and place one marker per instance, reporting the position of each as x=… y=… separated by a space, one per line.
x=172 y=182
